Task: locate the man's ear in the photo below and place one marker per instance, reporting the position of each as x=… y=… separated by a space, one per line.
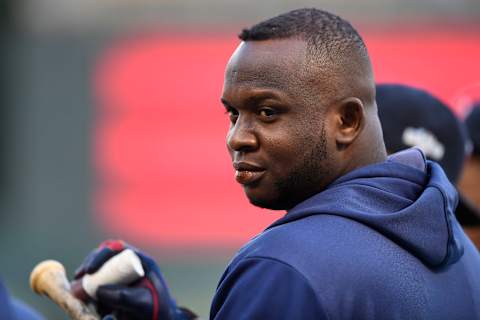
x=350 y=120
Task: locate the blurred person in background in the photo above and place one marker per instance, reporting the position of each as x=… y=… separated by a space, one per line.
x=14 y=309
x=364 y=237
x=412 y=117
x=469 y=183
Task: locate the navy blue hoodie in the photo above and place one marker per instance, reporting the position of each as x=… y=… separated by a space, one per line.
x=381 y=242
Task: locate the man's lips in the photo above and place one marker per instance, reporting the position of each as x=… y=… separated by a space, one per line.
x=247 y=173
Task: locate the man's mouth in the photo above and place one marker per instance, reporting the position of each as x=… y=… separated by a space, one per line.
x=247 y=173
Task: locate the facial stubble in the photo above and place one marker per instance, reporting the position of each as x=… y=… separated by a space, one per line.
x=304 y=180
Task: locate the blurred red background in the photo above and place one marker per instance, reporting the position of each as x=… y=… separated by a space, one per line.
x=160 y=151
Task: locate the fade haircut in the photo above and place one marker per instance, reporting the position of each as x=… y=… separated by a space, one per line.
x=316 y=27
x=332 y=42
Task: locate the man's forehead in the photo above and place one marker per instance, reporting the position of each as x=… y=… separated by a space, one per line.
x=267 y=60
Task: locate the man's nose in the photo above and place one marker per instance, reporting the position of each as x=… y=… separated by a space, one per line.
x=242 y=137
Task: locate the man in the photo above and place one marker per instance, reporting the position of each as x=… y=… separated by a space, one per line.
x=469 y=183
x=13 y=309
x=470 y=180
x=365 y=236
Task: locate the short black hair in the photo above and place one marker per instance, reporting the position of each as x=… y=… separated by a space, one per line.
x=336 y=54
x=318 y=28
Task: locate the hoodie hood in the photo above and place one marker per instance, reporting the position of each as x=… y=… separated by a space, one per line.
x=406 y=198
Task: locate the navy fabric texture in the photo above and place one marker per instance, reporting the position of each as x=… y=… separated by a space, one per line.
x=13 y=309
x=381 y=242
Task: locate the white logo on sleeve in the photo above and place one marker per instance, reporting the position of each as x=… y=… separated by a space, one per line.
x=425 y=140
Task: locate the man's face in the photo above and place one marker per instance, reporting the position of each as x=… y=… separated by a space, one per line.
x=278 y=135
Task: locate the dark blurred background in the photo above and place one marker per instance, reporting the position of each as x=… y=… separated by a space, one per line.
x=110 y=123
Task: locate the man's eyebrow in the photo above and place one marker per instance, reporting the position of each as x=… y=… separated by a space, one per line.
x=263 y=96
x=253 y=101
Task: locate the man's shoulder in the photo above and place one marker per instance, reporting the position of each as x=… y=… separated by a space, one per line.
x=329 y=249
x=326 y=255
x=265 y=288
x=307 y=236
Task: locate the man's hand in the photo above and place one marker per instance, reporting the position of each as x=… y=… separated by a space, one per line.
x=146 y=299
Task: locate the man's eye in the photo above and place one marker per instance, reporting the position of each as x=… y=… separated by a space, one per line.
x=267 y=112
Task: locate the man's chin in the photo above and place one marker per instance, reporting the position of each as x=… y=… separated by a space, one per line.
x=266 y=203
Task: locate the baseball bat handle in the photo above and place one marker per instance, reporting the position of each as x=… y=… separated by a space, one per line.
x=49 y=278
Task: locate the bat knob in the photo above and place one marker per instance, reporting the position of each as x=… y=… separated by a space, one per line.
x=42 y=271
x=49 y=278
